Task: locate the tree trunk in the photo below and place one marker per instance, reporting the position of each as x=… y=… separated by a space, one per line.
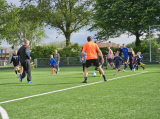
x=68 y=35
x=137 y=43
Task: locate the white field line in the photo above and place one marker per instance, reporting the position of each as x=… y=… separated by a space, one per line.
x=3 y=113
x=67 y=88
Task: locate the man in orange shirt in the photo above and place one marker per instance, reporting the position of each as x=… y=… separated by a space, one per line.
x=91 y=49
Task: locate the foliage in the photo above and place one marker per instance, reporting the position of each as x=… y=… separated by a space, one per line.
x=46 y=51
x=67 y=16
x=42 y=51
x=33 y=31
x=115 y=17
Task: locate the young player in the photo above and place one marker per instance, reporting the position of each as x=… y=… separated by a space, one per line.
x=53 y=63
x=91 y=49
x=117 y=59
x=139 y=61
x=110 y=58
x=126 y=57
x=134 y=62
x=131 y=54
x=83 y=59
x=159 y=60
x=15 y=60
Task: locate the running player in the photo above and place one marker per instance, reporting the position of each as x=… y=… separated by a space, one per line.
x=117 y=64
x=53 y=63
x=126 y=57
x=91 y=49
x=15 y=60
x=131 y=54
x=110 y=58
x=139 y=61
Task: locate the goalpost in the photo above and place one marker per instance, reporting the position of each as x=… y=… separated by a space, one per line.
x=154 y=29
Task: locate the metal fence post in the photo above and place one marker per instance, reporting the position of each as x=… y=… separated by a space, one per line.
x=150 y=42
x=68 y=60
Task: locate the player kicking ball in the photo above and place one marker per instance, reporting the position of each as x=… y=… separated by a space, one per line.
x=91 y=49
x=53 y=63
x=117 y=60
x=15 y=60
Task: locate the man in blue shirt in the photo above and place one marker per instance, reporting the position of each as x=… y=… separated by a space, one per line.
x=126 y=56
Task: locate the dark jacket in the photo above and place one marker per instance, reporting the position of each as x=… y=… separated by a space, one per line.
x=23 y=53
x=117 y=60
x=15 y=59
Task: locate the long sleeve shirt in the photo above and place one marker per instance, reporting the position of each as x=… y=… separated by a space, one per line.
x=53 y=61
x=23 y=53
x=117 y=60
x=57 y=57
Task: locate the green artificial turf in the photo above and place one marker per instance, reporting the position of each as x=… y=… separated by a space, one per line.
x=131 y=97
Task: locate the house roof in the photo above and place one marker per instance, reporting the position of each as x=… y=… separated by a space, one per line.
x=112 y=44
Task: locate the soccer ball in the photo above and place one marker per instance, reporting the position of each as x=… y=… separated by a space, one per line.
x=94 y=74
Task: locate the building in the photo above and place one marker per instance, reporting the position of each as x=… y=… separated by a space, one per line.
x=107 y=44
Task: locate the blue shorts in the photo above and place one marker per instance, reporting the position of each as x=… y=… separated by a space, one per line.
x=117 y=66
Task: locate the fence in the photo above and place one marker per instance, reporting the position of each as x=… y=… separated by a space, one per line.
x=75 y=61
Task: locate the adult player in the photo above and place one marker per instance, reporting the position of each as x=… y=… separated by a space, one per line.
x=110 y=57
x=126 y=56
x=15 y=60
x=57 y=58
x=92 y=57
x=24 y=59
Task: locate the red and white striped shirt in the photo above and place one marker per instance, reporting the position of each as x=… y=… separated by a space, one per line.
x=110 y=54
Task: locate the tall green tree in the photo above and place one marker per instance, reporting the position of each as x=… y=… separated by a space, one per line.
x=25 y=29
x=115 y=17
x=67 y=16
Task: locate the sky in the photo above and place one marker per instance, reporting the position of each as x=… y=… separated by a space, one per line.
x=79 y=37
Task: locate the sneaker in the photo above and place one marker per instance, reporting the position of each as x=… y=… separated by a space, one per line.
x=119 y=70
x=105 y=68
x=114 y=74
x=105 y=79
x=30 y=82
x=143 y=68
x=133 y=70
x=51 y=73
x=84 y=82
x=20 y=79
x=16 y=74
x=123 y=70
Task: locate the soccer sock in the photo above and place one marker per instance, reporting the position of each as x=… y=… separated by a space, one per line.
x=18 y=71
x=52 y=70
x=55 y=70
x=137 y=67
x=15 y=71
x=104 y=77
x=125 y=66
x=85 y=78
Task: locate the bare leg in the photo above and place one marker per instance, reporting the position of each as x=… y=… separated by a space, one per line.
x=102 y=72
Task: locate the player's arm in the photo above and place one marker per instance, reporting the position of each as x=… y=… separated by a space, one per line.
x=121 y=59
x=11 y=60
x=80 y=57
x=58 y=58
x=26 y=53
x=101 y=55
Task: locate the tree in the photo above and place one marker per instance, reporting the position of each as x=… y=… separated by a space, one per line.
x=33 y=31
x=8 y=19
x=116 y=17
x=67 y=16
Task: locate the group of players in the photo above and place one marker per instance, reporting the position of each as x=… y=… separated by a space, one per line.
x=129 y=59
x=89 y=55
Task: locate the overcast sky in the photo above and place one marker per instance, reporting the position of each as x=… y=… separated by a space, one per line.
x=79 y=37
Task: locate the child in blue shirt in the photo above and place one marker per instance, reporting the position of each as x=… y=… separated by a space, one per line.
x=53 y=63
x=117 y=60
x=126 y=56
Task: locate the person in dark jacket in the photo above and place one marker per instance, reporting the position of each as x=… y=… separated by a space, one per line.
x=131 y=54
x=25 y=61
x=117 y=60
x=15 y=60
x=57 y=58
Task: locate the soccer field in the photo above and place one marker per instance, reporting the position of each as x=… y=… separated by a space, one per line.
x=129 y=95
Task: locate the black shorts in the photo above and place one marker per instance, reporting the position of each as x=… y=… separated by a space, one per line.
x=117 y=66
x=110 y=60
x=126 y=59
x=138 y=62
x=16 y=65
x=52 y=66
x=94 y=61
